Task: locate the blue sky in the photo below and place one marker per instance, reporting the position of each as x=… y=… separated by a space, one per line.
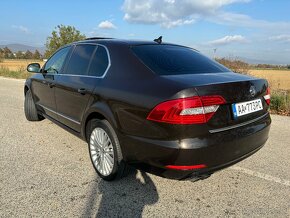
x=255 y=30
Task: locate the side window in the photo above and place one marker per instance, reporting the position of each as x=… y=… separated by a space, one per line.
x=99 y=63
x=55 y=63
x=80 y=59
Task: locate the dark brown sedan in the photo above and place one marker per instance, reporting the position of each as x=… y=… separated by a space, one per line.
x=160 y=107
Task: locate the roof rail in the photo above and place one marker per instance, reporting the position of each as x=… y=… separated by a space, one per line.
x=96 y=38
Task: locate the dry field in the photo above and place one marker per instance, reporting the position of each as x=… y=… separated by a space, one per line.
x=15 y=65
x=278 y=79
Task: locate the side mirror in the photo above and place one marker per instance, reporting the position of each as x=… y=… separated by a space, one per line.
x=33 y=68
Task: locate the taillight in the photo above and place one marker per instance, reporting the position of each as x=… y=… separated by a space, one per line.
x=267 y=97
x=190 y=110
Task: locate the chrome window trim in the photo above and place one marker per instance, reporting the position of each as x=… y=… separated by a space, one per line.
x=109 y=60
x=68 y=118
x=100 y=77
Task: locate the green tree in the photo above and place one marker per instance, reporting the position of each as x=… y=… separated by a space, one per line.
x=7 y=53
x=61 y=36
x=1 y=53
x=36 y=55
x=28 y=55
x=20 y=55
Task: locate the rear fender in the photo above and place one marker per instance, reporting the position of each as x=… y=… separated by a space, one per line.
x=102 y=109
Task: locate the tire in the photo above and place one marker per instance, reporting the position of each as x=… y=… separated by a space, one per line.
x=30 y=108
x=105 y=151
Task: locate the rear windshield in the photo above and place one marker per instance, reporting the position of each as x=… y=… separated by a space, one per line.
x=175 y=60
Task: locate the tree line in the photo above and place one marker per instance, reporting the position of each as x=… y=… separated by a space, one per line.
x=8 y=54
x=60 y=36
x=240 y=66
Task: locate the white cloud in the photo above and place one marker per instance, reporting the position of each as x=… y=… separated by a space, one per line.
x=107 y=25
x=281 y=38
x=229 y=39
x=243 y=20
x=21 y=28
x=171 y=13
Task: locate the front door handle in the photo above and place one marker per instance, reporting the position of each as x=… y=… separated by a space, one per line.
x=82 y=91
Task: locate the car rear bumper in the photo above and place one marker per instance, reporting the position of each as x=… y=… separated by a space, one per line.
x=215 y=150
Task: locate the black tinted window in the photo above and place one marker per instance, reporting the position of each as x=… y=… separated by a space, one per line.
x=55 y=63
x=174 y=60
x=80 y=59
x=99 y=63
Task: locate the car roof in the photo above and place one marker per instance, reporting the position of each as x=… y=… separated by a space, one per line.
x=122 y=41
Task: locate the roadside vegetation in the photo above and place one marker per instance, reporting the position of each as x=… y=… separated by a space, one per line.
x=280 y=102
x=19 y=73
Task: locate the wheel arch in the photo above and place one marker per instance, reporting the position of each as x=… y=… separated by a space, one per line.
x=27 y=86
x=98 y=111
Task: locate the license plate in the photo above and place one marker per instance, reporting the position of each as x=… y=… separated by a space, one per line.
x=241 y=109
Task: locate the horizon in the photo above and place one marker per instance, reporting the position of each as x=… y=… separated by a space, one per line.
x=252 y=30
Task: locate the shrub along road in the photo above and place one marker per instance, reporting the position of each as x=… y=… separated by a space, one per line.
x=46 y=171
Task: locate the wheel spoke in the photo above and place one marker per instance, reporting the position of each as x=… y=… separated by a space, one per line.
x=102 y=151
x=110 y=160
x=106 y=165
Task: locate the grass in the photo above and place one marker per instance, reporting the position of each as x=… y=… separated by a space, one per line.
x=15 y=64
x=280 y=102
x=20 y=73
x=16 y=68
x=278 y=79
x=276 y=69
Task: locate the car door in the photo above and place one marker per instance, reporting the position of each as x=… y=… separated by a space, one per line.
x=75 y=87
x=43 y=86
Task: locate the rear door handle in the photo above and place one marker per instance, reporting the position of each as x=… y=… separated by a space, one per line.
x=82 y=91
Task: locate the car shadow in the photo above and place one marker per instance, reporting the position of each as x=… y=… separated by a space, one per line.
x=122 y=198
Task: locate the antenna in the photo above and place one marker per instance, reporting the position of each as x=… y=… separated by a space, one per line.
x=158 y=40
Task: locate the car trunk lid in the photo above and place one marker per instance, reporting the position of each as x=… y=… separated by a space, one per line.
x=234 y=88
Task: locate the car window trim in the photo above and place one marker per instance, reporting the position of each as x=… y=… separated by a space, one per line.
x=96 y=44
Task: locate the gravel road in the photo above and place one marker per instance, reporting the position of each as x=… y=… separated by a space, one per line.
x=46 y=172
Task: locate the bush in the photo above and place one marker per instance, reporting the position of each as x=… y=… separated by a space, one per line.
x=21 y=73
x=235 y=65
x=280 y=102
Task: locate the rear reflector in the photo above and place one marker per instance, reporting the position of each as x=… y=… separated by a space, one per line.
x=192 y=167
x=267 y=97
x=192 y=110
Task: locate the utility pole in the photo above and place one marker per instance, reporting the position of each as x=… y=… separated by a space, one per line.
x=214 y=53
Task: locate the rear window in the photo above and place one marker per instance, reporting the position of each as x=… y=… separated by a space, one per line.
x=175 y=60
